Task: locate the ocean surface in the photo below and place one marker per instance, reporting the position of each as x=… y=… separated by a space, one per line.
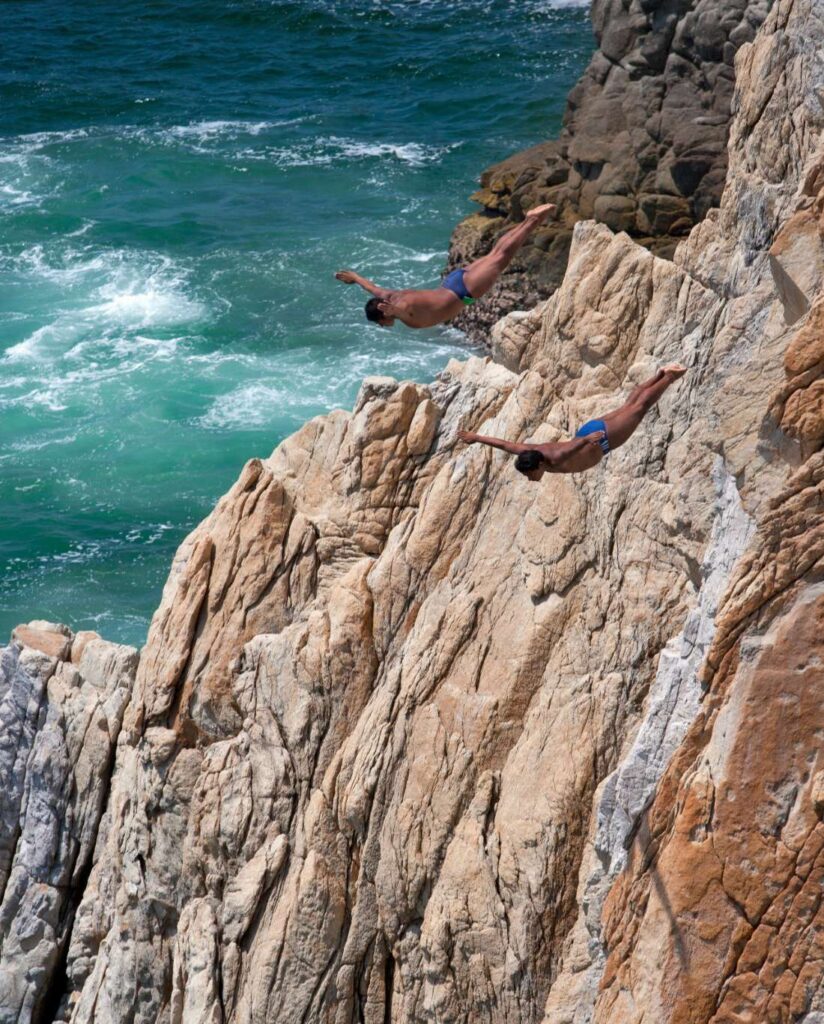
x=178 y=183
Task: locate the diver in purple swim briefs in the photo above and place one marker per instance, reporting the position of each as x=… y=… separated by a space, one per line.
x=425 y=308
x=594 y=440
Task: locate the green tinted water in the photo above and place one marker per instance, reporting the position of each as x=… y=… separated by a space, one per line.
x=178 y=183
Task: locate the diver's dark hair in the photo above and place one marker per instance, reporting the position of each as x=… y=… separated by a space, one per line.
x=372 y=311
x=527 y=461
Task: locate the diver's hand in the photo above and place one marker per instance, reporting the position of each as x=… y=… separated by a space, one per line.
x=466 y=436
x=543 y=212
x=347 y=276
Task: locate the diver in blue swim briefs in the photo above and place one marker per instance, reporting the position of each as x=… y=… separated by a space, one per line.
x=424 y=308
x=593 y=440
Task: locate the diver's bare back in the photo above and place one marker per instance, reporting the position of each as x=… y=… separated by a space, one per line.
x=424 y=307
x=570 y=456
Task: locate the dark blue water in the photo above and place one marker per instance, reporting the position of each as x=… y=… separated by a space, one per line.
x=178 y=183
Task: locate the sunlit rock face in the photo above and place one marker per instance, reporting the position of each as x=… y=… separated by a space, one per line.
x=414 y=739
x=62 y=698
x=643 y=147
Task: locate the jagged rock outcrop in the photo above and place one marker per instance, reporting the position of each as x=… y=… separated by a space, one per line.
x=414 y=739
x=62 y=699
x=643 y=147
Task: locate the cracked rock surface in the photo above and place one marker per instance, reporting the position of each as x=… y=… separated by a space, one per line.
x=643 y=147
x=62 y=698
x=413 y=739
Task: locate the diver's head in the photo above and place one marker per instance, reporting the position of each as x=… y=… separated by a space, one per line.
x=532 y=464
x=374 y=314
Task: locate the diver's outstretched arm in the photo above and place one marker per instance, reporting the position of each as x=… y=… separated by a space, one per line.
x=495 y=442
x=350 y=277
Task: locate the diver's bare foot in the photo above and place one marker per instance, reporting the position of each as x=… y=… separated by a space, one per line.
x=540 y=213
x=674 y=370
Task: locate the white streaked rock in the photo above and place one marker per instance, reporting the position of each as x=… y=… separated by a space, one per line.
x=58 y=729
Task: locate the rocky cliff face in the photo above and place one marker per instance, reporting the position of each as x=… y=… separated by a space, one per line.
x=414 y=739
x=643 y=147
x=62 y=699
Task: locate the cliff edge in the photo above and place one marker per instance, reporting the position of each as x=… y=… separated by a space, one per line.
x=413 y=739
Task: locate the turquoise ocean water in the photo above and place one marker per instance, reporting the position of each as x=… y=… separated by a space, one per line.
x=178 y=182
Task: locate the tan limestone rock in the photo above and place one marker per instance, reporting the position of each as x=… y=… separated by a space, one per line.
x=413 y=739
x=59 y=724
x=402 y=714
x=81 y=638
x=46 y=637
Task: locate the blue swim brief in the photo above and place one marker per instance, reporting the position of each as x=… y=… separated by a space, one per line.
x=591 y=427
x=454 y=281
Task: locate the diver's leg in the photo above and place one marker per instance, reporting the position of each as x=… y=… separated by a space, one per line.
x=636 y=394
x=484 y=272
x=623 y=422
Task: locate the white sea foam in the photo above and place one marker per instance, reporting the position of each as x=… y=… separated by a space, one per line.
x=197 y=135
x=64 y=268
x=208 y=131
x=37 y=139
x=207 y=136
x=124 y=292
x=26 y=178
x=559 y=5
x=153 y=348
x=77 y=375
x=427 y=257
x=470 y=10
x=28 y=175
x=210 y=362
x=58 y=334
x=393 y=255
x=84 y=228
x=149 y=533
x=50 y=398
x=143 y=304
x=79 y=554
x=20 y=447
x=247 y=407
x=11 y=196
x=201 y=136
x=330 y=150
x=412 y=153
x=23 y=350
